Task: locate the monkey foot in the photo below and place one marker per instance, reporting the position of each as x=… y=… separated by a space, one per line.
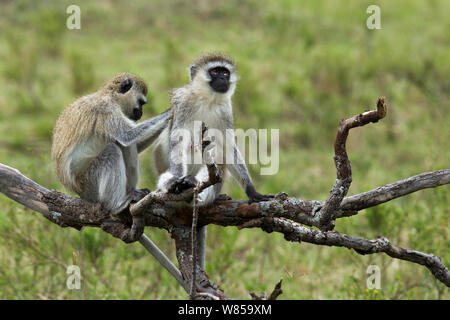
x=119 y=229
x=178 y=185
x=223 y=197
x=139 y=194
x=257 y=197
x=135 y=232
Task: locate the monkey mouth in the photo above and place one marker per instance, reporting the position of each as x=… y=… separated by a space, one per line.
x=221 y=87
x=137 y=114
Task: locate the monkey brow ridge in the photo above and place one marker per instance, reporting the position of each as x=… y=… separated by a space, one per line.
x=115 y=82
x=210 y=57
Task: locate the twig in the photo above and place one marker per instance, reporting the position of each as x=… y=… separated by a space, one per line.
x=215 y=175
x=393 y=190
x=206 y=295
x=297 y=233
x=194 y=243
x=343 y=167
x=276 y=291
x=68 y=211
x=273 y=296
x=183 y=245
x=270 y=216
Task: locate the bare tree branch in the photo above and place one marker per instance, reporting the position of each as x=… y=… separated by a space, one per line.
x=273 y=296
x=68 y=211
x=282 y=214
x=343 y=167
x=204 y=288
x=394 y=190
x=192 y=292
x=297 y=233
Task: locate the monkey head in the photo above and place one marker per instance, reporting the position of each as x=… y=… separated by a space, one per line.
x=130 y=92
x=217 y=71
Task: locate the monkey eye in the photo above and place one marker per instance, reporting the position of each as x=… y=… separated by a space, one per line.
x=213 y=72
x=219 y=71
x=125 y=85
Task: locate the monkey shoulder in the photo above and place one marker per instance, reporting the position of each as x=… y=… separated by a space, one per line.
x=183 y=110
x=180 y=98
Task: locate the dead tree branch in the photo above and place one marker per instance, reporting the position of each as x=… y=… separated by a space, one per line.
x=297 y=233
x=342 y=163
x=204 y=287
x=394 y=190
x=282 y=214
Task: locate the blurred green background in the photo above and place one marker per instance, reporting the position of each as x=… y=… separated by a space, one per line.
x=303 y=66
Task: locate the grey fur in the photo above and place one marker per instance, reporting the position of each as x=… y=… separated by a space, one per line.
x=197 y=101
x=96 y=143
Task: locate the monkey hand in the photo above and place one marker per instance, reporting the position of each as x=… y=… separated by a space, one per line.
x=139 y=194
x=135 y=232
x=223 y=197
x=255 y=196
x=120 y=230
x=178 y=185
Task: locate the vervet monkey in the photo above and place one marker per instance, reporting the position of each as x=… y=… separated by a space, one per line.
x=207 y=99
x=95 y=150
x=96 y=142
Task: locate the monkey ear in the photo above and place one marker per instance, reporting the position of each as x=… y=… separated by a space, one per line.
x=125 y=85
x=192 y=71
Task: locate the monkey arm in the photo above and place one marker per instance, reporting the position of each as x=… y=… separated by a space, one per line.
x=239 y=171
x=145 y=132
x=142 y=145
x=179 y=146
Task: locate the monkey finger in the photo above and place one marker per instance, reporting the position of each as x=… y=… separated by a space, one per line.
x=261 y=197
x=183 y=184
x=137 y=229
x=223 y=197
x=138 y=195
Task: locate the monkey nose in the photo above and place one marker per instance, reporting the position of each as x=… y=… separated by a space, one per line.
x=142 y=101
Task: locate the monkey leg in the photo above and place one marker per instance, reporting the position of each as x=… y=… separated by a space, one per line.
x=106 y=183
x=107 y=179
x=206 y=197
x=210 y=194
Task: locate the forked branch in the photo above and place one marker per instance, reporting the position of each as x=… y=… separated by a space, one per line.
x=342 y=163
x=297 y=233
x=282 y=214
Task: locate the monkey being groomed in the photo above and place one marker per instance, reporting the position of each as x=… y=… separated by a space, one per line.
x=96 y=144
x=207 y=99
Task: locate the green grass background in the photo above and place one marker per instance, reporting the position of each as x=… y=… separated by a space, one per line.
x=303 y=66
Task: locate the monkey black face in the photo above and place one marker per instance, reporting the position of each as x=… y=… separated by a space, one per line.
x=220 y=79
x=137 y=111
x=125 y=87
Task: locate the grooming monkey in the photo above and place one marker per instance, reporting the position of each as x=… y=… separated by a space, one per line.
x=207 y=99
x=96 y=143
